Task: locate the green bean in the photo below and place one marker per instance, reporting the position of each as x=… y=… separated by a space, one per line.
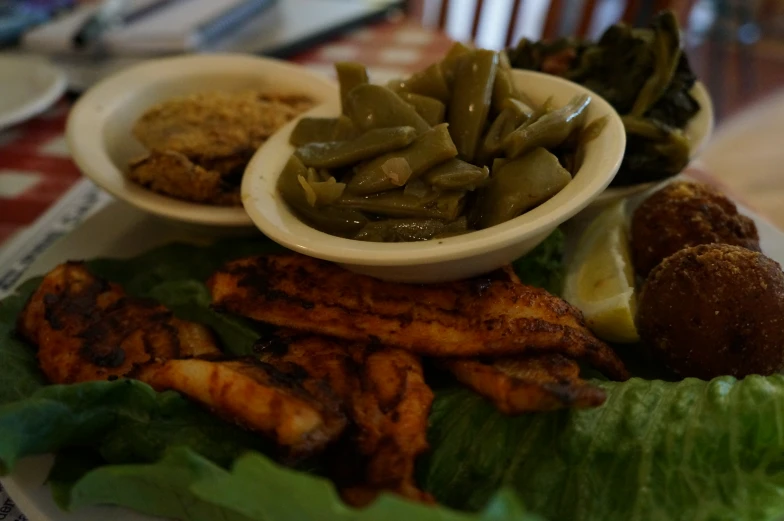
x=594 y=129
x=336 y=154
x=397 y=85
x=456 y=227
x=431 y=148
x=309 y=130
x=404 y=230
x=428 y=82
x=675 y=147
x=504 y=124
x=323 y=174
x=350 y=74
x=417 y=188
x=343 y=222
x=647 y=128
x=394 y=203
x=456 y=175
x=452 y=59
x=429 y=108
x=542 y=110
x=588 y=134
x=519 y=185
x=313 y=176
x=471 y=100
x=498 y=163
x=509 y=88
x=667 y=54
x=522 y=110
x=374 y=106
x=503 y=88
x=320 y=193
x=550 y=130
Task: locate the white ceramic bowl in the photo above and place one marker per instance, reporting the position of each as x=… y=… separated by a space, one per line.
x=698 y=131
x=444 y=259
x=99 y=126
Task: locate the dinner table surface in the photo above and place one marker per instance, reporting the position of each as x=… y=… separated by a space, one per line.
x=43 y=195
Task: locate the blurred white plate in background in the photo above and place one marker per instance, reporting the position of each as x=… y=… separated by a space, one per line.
x=29 y=86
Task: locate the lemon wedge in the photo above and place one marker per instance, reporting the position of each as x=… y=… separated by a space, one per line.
x=600 y=278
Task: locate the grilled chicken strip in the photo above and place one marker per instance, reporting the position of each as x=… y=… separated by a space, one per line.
x=386 y=397
x=391 y=408
x=299 y=413
x=481 y=317
x=528 y=384
x=327 y=359
x=88 y=329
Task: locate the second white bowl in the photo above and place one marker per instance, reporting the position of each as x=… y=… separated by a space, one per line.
x=99 y=126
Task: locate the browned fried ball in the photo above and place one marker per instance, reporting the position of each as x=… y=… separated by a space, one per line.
x=714 y=310
x=684 y=214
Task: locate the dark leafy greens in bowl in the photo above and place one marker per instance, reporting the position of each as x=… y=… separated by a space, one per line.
x=644 y=75
x=655 y=450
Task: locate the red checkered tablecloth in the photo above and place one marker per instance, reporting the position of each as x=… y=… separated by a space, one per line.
x=36 y=169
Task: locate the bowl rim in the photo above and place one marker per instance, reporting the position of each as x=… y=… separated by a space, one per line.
x=256 y=194
x=84 y=130
x=704 y=119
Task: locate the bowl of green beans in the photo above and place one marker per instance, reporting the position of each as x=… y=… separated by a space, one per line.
x=453 y=172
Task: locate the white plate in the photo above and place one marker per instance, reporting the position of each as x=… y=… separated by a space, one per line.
x=28 y=86
x=120 y=231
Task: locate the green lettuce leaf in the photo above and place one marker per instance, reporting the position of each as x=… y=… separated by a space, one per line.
x=183 y=485
x=160 y=489
x=70 y=466
x=176 y=421
x=655 y=451
x=179 y=261
x=19 y=373
x=124 y=420
x=543 y=266
x=59 y=416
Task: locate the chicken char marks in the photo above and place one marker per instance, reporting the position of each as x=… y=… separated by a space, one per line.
x=527 y=383
x=301 y=414
x=86 y=328
x=344 y=369
x=385 y=397
x=460 y=319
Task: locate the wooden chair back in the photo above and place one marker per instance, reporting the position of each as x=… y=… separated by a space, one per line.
x=560 y=20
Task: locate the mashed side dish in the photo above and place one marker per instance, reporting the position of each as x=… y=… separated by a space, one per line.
x=200 y=144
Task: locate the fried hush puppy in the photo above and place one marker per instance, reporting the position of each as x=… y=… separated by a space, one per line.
x=684 y=214
x=713 y=310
